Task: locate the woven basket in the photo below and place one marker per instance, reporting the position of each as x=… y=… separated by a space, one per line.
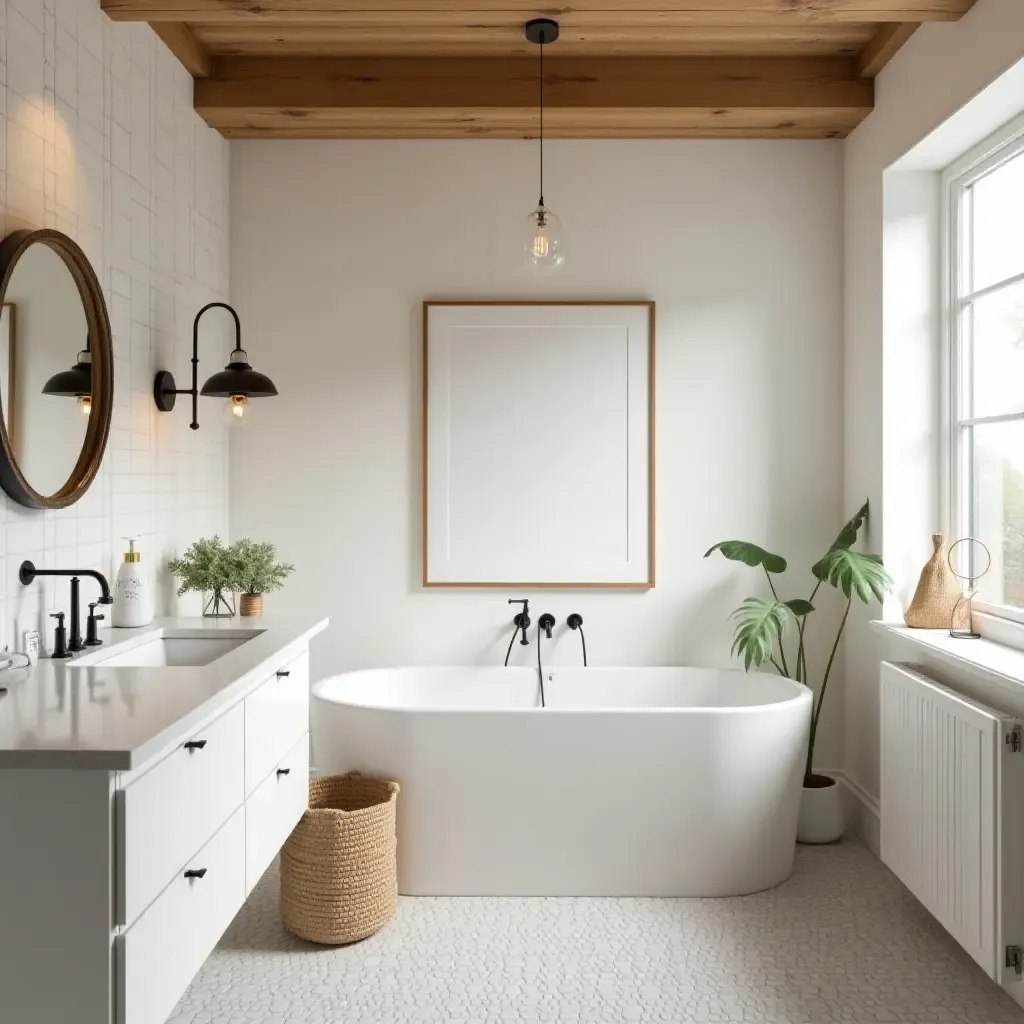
x=339 y=874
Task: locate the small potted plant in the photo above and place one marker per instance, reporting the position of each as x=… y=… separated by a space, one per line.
x=204 y=568
x=253 y=571
x=762 y=625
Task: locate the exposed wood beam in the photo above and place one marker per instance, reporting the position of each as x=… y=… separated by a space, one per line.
x=888 y=39
x=401 y=35
x=180 y=40
x=694 y=12
x=585 y=97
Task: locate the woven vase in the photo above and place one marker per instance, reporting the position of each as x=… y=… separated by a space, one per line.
x=938 y=591
x=251 y=606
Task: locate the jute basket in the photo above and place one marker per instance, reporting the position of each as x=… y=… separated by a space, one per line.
x=339 y=873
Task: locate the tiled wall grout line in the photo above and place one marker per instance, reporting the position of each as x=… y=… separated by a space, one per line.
x=100 y=140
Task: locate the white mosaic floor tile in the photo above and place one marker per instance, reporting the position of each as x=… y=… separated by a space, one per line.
x=840 y=941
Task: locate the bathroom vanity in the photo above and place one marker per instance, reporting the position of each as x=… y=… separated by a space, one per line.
x=144 y=789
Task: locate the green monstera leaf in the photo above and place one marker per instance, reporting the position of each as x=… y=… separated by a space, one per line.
x=854 y=573
x=848 y=534
x=749 y=554
x=760 y=623
x=799 y=607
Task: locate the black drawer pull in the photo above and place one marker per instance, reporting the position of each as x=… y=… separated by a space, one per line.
x=283 y=771
x=195 y=744
x=282 y=673
x=195 y=873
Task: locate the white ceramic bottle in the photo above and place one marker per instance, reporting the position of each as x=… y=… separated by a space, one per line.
x=133 y=599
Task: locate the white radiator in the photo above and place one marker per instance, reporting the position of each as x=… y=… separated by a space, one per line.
x=951 y=825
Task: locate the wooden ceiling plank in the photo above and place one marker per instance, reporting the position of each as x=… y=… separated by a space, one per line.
x=735 y=12
x=884 y=46
x=180 y=40
x=585 y=97
x=509 y=82
x=776 y=39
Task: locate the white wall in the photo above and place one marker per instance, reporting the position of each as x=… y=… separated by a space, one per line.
x=891 y=334
x=101 y=142
x=336 y=244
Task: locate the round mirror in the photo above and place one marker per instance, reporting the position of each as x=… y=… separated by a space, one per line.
x=56 y=370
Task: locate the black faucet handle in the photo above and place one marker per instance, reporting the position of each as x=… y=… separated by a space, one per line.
x=547 y=623
x=59 y=616
x=91 y=636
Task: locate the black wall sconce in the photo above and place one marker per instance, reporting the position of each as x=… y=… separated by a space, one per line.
x=237 y=382
x=76 y=382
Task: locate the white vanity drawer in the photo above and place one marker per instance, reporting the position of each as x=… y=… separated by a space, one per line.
x=165 y=816
x=274 y=810
x=276 y=715
x=162 y=952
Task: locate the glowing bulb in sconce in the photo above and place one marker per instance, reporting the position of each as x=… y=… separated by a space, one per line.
x=85 y=404
x=236 y=409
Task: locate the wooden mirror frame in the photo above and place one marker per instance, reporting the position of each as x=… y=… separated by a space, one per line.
x=84 y=472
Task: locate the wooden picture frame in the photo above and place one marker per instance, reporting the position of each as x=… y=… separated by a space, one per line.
x=634 y=322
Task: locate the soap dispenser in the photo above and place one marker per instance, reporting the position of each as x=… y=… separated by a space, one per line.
x=133 y=599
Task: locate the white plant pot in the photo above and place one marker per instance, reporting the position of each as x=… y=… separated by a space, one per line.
x=821 y=812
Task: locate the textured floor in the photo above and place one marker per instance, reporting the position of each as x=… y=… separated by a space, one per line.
x=841 y=941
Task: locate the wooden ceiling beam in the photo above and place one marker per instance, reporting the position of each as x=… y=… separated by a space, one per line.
x=584 y=97
x=884 y=46
x=693 y=12
x=579 y=36
x=180 y=40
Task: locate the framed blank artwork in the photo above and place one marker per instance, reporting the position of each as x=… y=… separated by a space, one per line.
x=538 y=444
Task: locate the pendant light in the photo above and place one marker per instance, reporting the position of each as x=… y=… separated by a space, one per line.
x=545 y=241
x=76 y=382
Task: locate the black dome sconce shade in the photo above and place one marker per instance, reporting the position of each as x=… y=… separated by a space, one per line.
x=73 y=383
x=238 y=381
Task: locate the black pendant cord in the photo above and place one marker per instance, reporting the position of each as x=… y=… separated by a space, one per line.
x=542 y=120
x=583 y=640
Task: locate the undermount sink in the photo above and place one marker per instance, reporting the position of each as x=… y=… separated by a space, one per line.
x=169 y=651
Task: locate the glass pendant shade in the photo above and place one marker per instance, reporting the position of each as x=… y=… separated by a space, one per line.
x=544 y=244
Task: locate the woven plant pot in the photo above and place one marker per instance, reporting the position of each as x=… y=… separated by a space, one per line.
x=251 y=606
x=938 y=591
x=339 y=872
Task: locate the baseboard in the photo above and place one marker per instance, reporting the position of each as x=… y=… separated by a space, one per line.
x=863 y=816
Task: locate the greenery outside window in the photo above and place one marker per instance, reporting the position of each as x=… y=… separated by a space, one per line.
x=984 y=328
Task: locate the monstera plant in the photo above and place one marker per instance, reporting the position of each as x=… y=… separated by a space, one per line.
x=771 y=631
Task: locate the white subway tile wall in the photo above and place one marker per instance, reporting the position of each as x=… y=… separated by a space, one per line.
x=98 y=139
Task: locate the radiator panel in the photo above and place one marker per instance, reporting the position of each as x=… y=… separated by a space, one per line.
x=946 y=765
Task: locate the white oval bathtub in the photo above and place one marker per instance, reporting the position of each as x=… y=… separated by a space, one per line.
x=631 y=782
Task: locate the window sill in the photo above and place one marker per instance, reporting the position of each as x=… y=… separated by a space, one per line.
x=994 y=659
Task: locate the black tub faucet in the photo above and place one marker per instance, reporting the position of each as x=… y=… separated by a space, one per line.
x=29 y=572
x=522 y=619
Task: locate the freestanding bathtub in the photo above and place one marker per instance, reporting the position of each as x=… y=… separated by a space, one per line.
x=631 y=782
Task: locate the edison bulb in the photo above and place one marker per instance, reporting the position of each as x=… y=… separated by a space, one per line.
x=85 y=404
x=235 y=410
x=545 y=241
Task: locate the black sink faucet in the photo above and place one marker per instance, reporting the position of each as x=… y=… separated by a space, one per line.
x=29 y=572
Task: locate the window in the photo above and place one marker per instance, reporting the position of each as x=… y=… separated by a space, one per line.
x=985 y=334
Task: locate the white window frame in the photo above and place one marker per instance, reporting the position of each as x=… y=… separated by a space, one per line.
x=996 y=150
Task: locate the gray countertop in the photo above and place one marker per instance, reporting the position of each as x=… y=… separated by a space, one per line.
x=61 y=714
